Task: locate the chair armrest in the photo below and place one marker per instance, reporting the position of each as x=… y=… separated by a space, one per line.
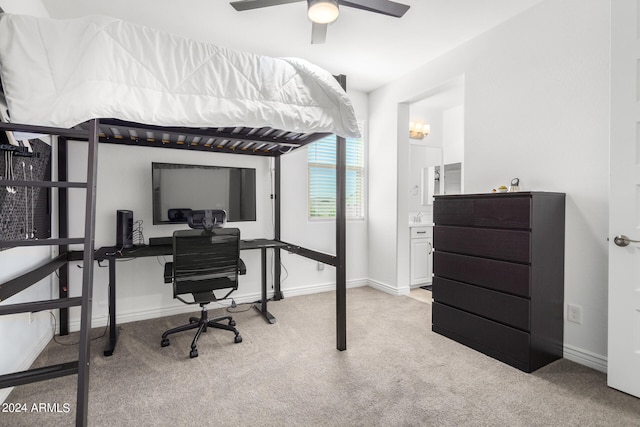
x=168 y=272
x=242 y=269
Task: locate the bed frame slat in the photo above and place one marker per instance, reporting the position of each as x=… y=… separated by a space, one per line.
x=258 y=141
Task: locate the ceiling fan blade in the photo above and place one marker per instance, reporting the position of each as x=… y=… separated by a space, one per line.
x=385 y=7
x=257 y=4
x=318 y=33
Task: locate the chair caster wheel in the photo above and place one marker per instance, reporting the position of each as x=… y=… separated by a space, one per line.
x=232 y=322
x=164 y=342
x=237 y=339
x=193 y=353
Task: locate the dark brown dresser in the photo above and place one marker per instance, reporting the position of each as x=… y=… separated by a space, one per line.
x=498 y=267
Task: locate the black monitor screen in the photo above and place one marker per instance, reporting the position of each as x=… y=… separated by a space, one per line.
x=178 y=188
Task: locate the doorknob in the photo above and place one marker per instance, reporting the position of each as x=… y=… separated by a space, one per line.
x=623 y=240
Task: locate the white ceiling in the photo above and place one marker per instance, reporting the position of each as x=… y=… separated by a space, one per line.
x=371 y=49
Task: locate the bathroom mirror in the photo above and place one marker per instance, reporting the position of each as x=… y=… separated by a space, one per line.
x=431 y=158
x=442 y=107
x=453 y=178
x=449 y=182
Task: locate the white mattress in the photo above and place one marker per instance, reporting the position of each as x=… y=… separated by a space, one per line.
x=64 y=72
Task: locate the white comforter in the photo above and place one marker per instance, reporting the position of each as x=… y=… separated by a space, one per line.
x=64 y=72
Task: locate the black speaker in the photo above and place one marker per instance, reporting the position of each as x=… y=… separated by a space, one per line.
x=124 y=229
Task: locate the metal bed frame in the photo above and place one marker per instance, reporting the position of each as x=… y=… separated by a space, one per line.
x=239 y=140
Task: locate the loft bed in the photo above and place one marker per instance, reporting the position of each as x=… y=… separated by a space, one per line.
x=155 y=89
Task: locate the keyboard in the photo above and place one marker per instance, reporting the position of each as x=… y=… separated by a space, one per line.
x=160 y=241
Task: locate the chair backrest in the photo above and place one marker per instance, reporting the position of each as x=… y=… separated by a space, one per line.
x=204 y=261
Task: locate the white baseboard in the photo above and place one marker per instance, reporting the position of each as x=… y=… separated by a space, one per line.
x=31 y=356
x=387 y=288
x=586 y=358
x=323 y=287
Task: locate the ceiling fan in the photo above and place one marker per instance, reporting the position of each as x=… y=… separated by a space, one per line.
x=323 y=12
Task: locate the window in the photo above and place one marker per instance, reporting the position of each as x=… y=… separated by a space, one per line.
x=322 y=178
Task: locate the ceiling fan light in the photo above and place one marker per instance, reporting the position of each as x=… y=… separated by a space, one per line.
x=323 y=11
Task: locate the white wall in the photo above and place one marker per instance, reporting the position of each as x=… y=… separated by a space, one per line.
x=453 y=135
x=21 y=339
x=536 y=107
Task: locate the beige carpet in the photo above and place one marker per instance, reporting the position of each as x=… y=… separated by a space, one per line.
x=395 y=372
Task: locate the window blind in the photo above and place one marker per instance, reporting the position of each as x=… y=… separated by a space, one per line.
x=322 y=178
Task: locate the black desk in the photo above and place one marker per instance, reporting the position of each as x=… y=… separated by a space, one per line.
x=112 y=255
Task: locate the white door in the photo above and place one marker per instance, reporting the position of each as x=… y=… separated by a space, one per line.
x=623 y=370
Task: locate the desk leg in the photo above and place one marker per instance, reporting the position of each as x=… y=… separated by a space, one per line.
x=113 y=328
x=263 y=303
x=277 y=270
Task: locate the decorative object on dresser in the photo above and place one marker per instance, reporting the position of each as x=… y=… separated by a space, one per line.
x=498 y=282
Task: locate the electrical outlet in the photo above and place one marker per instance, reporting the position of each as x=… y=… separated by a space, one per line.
x=31 y=317
x=574 y=313
x=320 y=266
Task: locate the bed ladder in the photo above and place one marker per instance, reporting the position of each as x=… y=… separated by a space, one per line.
x=13 y=286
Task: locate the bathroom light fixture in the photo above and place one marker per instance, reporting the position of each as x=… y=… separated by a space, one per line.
x=418 y=130
x=322 y=11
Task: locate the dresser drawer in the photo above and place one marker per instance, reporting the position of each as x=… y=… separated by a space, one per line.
x=508 y=309
x=507 y=245
x=491 y=338
x=497 y=275
x=421 y=232
x=504 y=211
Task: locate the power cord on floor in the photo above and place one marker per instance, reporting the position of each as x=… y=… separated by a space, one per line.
x=232 y=308
x=55 y=325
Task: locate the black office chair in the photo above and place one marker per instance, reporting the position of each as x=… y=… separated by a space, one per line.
x=204 y=261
